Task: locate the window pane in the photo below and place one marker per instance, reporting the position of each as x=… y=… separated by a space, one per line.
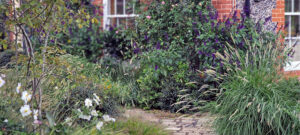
x=129 y=6
x=286 y=23
x=295 y=28
x=297 y=6
x=288 y=5
x=296 y=56
x=120 y=7
x=112 y=7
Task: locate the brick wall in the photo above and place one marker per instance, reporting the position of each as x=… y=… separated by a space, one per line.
x=225 y=8
x=258 y=10
x=278 y=14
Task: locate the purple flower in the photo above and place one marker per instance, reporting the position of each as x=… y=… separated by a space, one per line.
x=157 y=45
x=70 y=31
x=211 y=15
x=216 y=40
x=216 y=15
x=204 y=43
x=200 y=52
x=62 y=22
x=200 y=14
x=146 y=37
x=218 y=24
x=241 y=26
x=212 y=24
x=268 y=19
x=166 y=36
x=52 y=41
x=136 y=50
x=111 y=29
x=134 y=44
x=227 y=23
x=156 y=67
x=247 y=9
x=213 y=55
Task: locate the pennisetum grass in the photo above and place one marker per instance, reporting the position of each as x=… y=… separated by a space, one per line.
x=257 y=100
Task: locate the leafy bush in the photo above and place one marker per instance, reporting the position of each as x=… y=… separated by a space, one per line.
x=194 y=31
x=160 y=78
x=82 y=41
x=256 y=99
x=69 y=80
x=174 y=40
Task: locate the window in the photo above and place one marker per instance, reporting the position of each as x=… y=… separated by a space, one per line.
x=292 y=21
x=119 y=12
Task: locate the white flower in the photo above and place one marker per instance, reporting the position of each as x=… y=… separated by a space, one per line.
x=18 y=88
x=35 y=114
x=26 y=96
x=96 y=97
x=79 y=110
x=2 y=82
x=99 y=125
x=113 y=119
x=3 y=75
x=56 y=87
x=106 y=118
x=85 y=117
x=25 y=110
x=5 y=121
x=68 y=120
x=94 y=113
x=88 y=102
x=97 y=103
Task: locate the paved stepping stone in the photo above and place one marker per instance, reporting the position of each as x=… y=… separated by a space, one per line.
x=177 y=125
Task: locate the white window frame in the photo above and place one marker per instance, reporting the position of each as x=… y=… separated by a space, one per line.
x=293 y=65
x=107 y=14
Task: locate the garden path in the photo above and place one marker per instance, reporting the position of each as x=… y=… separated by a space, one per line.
x=176 y=123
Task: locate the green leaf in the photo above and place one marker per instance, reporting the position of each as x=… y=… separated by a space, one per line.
x=50 y=119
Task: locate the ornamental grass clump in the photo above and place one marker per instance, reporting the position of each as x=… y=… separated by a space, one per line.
x=256 y=99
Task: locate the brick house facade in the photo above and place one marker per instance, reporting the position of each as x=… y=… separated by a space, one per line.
x=259 y=9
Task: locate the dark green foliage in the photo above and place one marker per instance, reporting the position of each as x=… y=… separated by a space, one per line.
x=83 y=42
x=185 y=33
x=117 y=43
x=5 y=57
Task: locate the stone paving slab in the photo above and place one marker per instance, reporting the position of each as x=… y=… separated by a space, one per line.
x=178 y=125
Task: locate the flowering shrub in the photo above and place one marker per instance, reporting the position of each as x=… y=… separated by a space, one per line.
x=70 y=80
x=190 y=33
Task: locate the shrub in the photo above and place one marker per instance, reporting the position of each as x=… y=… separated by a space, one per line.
x=68 y=81
x=176 y=39
x=161 y=78
x=256 y=99
x=5 y=57
x=194 y=31
x=82 y=41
